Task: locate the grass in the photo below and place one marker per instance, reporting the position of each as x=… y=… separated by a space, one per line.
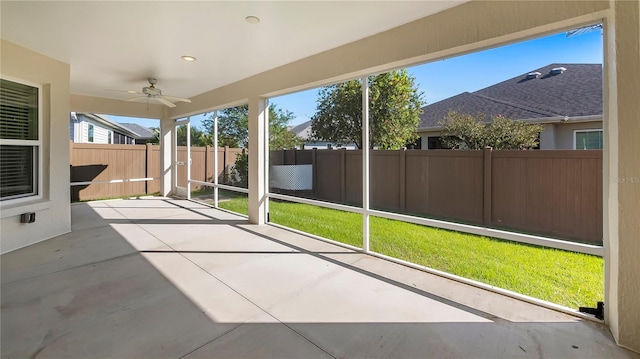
x=566 y=278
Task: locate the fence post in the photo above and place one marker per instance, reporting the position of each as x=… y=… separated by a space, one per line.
x=225 y=158
x=206 y=164
x=343 y=175
x=314 y=173
x=487 y=195
x=403 y=179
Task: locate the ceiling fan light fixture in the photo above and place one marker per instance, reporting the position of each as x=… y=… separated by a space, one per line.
x=188 y=58
x=252 y=19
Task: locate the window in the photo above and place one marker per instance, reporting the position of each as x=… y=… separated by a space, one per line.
x=110 y=139
x=587 y=139
x=90 y=133
x=436 y=143
x=20 y=142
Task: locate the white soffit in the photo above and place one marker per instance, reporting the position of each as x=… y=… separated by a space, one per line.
x=113 y=46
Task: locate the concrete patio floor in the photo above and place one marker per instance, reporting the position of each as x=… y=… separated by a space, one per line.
x=163 y=278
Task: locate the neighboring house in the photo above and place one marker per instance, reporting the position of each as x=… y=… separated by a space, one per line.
x=303 y=131
x=92 y=128
x=565 y=98
x=143 y=134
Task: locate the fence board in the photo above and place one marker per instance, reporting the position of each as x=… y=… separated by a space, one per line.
x=97 y=162
x=556 y=193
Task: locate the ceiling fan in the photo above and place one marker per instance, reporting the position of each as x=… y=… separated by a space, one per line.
x=151 y=92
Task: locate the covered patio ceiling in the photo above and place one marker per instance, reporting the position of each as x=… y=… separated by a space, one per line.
x=114 y=46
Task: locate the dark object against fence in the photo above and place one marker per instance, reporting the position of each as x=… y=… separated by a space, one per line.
x=553 y=193
x=100 y=162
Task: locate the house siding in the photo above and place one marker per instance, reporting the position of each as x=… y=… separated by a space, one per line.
x=548 y=137
x=79 y=131
x=564 y=133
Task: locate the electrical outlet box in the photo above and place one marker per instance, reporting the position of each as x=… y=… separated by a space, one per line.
x=28 y=217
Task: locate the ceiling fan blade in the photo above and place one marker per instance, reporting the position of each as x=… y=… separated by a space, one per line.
x=166 y=102
x=138 y=98
x=177 y=98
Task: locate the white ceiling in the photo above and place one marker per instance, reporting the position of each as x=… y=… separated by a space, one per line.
x=113 y=46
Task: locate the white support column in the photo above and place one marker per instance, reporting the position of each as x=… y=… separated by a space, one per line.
x=365 y=163
x=257 y=139
x=621 y=175
x=265 y=208
x=215 y=159
x=174 y=158
x=188 y=162
x=167 y=129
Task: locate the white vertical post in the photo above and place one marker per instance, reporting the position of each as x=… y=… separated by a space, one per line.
x=174 y=162
x=167 y=170
x=257 y=138
x=365 y=163
x=215 y=159
x=188 y=158
x=267 y=154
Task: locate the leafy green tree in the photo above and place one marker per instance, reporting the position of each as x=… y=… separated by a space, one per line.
x=233 y=128
x=464 y=131
x=155 y=140
x=233 y=131
x=198 y=138
x=394 y=109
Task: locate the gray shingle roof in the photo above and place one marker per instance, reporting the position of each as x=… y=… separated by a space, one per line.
x=143 y=133
x=303 y=130
x=575 y=92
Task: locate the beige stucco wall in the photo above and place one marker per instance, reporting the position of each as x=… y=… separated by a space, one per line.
x=53 y=210
x=622 y=173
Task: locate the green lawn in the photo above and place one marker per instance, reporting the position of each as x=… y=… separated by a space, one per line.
x=567 y=278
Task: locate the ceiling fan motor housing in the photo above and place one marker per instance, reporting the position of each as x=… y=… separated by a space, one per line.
x=151 y=91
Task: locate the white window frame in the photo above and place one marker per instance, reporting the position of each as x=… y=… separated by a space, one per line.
x=33 y=143
x=575 y=135
x=91 y=133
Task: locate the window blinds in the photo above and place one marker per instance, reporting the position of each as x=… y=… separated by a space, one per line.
x=20 y=142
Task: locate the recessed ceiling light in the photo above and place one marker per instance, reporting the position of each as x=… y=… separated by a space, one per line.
x=252 y=19
x=131 y=91
x=189 y=58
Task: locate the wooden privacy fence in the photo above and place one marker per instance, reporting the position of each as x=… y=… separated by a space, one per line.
x=118 y=170
x=554 y=193
x=202 y=165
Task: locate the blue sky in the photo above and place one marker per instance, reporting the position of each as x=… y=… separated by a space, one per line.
x=445 y=78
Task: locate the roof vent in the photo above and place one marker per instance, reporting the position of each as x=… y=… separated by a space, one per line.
x=557 y=70
x=533 y=75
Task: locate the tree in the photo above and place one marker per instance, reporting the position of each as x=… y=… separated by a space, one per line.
x=156 y=136
x=500 y=133
x=233 y=128
x=394 y=110
x=198 y=138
